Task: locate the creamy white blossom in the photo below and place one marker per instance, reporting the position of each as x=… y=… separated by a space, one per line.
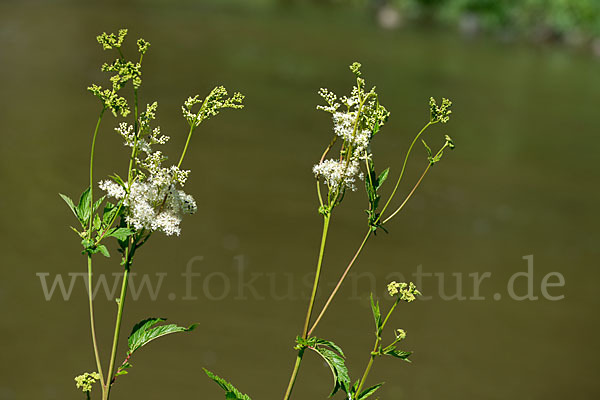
x=112 y=189
x=338 y=174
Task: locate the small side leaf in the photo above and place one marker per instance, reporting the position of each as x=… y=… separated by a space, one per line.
x=70 y=203
x=120 y=233
x=376 y=315
x=403 y=355
x=230 y=391
x=368 y=392
x=102 y=249
x=84 y=207
x=382 y=178
x=143 y=332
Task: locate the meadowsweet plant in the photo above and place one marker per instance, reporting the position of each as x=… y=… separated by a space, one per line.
x=346 y=164
x=147 y=198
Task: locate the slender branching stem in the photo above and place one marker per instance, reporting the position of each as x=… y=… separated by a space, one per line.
x=92 y=323
x=311 y=303
x=187 y=142
x=375 y=351
x=337 y=287
x=89 y=256
x=117 y=332
x=403 y=169
x=313 y=295
x=409 y=195
x=290 y=387
x=92 y=151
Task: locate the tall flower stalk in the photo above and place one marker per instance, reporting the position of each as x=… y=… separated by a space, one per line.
x=345 y=162
x=149 y=199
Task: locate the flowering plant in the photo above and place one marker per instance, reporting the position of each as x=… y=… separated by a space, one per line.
x=147 y=199
x=357 y=118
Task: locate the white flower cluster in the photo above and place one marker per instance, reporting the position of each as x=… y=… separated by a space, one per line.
x=152 y=200
x=339 y=173
x=152 y=205
x=343 y=174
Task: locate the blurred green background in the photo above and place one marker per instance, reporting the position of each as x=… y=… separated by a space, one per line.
x=523 y=180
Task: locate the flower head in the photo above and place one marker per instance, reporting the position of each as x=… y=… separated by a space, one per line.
x=405 y=291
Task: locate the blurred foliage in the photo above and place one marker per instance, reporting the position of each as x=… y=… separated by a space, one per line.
x=539 y=19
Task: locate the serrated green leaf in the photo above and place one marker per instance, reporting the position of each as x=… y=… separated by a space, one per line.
x=97 y=223
x=109 y=213
x=368 y=392
x=330 y=344
x=84 y=207
x=97 y=204
x=102 y=249
x=120 y=233
x=143 y=332
x=70 y=203
x=336 y=363
x=382 y=178
x=230 y=391
x=403 y=355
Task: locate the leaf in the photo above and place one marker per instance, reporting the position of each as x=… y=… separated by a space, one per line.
x=102 y=249
x=97 y=223
x=403 y=355
x=367 y=392
x=120 y=233
x=143 y=332
x=341 y=380
x=109 y=213
x=230 y=391
x=97 y=204
x=330 y=344
x=376 y=315
x=70 y=203
x=382 y=178
x=83 y=208
x=427 y=148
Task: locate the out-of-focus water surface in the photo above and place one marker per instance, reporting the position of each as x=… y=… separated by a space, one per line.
x=522 y=181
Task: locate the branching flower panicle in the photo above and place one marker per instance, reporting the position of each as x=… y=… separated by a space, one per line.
x=211 y=105
x=355 y=125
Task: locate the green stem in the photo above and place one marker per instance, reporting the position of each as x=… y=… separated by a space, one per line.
x=93 y=149
x=313 y=295
x=187 y=142
x=90 y=270
x=407 y=197
x=92 y=323
x=113 y=354
x=375 y=351
x=337 y=287
x=311 y=303
x=403 y=169
x=288 y=391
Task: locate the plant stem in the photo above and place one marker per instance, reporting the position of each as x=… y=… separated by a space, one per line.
x=313 y=296
x=288 y=391
x=407 y=197
x=113 y=354
x=187 y=142
x=311 y=303
x=89 y=256
x=92 y=324
x=337 y=287
x=93 y=149
x=403 y=169
x=375 y=351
